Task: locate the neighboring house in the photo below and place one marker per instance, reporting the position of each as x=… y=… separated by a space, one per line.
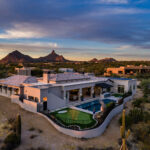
x=128 y=70
x=66 y=70
x=24 y=71
x=55 y=91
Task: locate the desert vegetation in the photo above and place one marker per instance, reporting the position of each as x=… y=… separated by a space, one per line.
x=138 y=118
x=13 y=139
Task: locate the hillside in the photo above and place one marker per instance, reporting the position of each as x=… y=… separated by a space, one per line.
x=18 y=57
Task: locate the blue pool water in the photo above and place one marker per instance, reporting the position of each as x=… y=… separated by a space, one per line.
x=106 y=101
x=94 y=106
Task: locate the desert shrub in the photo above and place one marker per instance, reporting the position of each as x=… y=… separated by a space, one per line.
x=145 y=84
x=127 y=94
x=31 y=129
x=128 y=122
x=11 y=120
x=11 y=141
x=135 y=115
x=145 y=146
x=120 y=101
x=40 y=131
x=142 y=133
x=139 y=101
x=108 y=108
x=39 y=148
x=33 y=136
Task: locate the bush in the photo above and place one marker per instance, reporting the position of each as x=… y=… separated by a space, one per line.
x=139 y=101
x=128 y=121
x=11 y=141
x=145 y=86
x=135 y=115
x=31 y=129
x=127 y=94
x=33 y=136
x=108 y=108
x=142 y=133
x=120 y=101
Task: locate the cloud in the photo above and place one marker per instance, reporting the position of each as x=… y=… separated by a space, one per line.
x=23 y=30
x=126 y=25
x=113 y=1
x=28 y=46
x=117 y=11
x=124 y=47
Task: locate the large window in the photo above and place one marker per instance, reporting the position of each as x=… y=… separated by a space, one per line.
x=74 y=95
x=120 y=88
x=120 y=72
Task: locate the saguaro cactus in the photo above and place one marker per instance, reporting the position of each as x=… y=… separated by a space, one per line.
x=18 y=127
x=124 y=135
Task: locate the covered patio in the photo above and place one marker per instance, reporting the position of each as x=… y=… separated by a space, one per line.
x=7 y=90
x=86 y=93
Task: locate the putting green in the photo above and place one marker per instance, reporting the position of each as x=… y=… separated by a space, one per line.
x=75 y=117
x=117 y=95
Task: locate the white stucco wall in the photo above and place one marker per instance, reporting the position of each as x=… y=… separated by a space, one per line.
x=126 y=83
x=30 y=91
x=8 y=94
x=55 y=102
x=27 y=105
x=56 y=91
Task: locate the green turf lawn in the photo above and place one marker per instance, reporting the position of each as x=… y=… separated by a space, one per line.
x=117 y=94
x=75 y=117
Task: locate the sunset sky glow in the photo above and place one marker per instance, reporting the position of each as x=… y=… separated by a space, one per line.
x=77 y=29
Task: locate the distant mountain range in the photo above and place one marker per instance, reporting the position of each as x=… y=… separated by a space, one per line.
x=18 y=57
x=103 y=60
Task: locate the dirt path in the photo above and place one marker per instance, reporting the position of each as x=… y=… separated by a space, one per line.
x=46 y=136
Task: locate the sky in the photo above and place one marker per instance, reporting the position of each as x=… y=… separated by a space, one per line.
x=76 y=29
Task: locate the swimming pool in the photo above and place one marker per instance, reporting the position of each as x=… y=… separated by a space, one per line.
x=106 y=100
x=94 y=106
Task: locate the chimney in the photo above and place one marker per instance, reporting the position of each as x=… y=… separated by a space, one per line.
x=46 y=74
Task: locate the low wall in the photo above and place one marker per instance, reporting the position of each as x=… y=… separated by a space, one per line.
x=87 y=133
x=78 y=134
x=4 y=94
x=127 y=99
x=26 y=104
x=91 y=132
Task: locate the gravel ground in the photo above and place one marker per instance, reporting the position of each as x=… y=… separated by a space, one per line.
x=43 y=134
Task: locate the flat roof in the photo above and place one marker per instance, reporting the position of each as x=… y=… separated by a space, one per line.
x=96 y=80
x=116 y=78
x=17 y=80
x=67 y=76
